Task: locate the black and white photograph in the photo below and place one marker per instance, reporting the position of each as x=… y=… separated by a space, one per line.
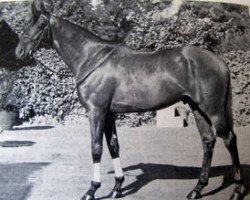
x=124 y=99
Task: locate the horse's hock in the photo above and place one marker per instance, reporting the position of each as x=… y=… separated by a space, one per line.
x=177 y=115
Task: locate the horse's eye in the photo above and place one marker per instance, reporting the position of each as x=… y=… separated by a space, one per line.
x=40 y=25
x=42 y=22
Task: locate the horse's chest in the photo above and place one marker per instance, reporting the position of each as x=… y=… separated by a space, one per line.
x=97 y=90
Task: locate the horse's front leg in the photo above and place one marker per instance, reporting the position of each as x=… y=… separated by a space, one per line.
x=113 y=145
x=97 y=120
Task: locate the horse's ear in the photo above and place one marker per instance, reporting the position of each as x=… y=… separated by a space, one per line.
x=34 y=12
x=44 y=6
x=37 y=5
x=48 y=6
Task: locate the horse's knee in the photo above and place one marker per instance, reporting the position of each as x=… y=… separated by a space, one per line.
x=114 y=147
x=96 y=152
x=209 y=142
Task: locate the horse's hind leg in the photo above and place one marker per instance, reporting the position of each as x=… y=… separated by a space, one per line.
x=231 y=144
x=113 y=145
x=208 y=141
x=225 y=131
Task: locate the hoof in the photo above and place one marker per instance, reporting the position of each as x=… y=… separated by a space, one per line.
x=115 y=194
x=239 y=193
x=87 y=197
x=194 y=195
x=236 y=196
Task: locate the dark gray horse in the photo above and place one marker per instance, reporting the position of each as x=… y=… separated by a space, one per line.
x=112 y=79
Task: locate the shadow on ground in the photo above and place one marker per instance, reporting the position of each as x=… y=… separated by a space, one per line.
x=151 y=172
x=32 y=128
x=16 y=143
x=14 y=183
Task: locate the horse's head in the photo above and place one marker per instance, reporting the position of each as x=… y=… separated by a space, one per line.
x=37 y=29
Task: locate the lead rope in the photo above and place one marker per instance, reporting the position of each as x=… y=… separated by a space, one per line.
x=59 y=75
x=51 y=70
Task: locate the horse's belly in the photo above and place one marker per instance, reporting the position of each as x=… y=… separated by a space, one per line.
x=144 y=96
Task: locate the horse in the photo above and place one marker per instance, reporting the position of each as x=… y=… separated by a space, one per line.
x=114 y=78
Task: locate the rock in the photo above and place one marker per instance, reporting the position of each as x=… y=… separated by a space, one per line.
x=8 y=38
x=8 y=42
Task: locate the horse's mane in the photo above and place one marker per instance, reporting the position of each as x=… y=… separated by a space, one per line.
x=90 y=34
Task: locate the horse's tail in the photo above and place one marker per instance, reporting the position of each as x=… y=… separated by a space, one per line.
x=228 y=105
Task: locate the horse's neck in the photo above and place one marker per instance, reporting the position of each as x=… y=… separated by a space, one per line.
x=74 y=44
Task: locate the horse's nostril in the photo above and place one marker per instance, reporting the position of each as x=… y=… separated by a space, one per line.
x=30 y=53
x=19 y=53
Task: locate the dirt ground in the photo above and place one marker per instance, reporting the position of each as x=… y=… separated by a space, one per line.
x=46 y=162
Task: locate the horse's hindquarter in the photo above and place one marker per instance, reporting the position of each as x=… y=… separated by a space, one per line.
x=210 y=76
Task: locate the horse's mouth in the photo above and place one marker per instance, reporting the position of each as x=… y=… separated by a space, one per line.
x=22 y=56
x=27 y=58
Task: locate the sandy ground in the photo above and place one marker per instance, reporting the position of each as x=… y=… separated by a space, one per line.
x=53 y=163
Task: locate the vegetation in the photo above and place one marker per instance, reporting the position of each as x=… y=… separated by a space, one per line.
x=221 y=28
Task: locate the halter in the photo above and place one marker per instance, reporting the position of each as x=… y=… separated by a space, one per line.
x=31 y=40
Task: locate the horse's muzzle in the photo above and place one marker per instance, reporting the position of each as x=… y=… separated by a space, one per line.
x=22 y=55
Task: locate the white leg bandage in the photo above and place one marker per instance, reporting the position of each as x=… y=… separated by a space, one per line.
x=97 y=172
x=118 y=167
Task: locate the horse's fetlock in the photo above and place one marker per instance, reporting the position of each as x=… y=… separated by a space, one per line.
x=117 y=190
x=239 y=180
x=118 y=183
x=94 y=186
x=202 y=182
x=239 y=188
x=194 y=194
